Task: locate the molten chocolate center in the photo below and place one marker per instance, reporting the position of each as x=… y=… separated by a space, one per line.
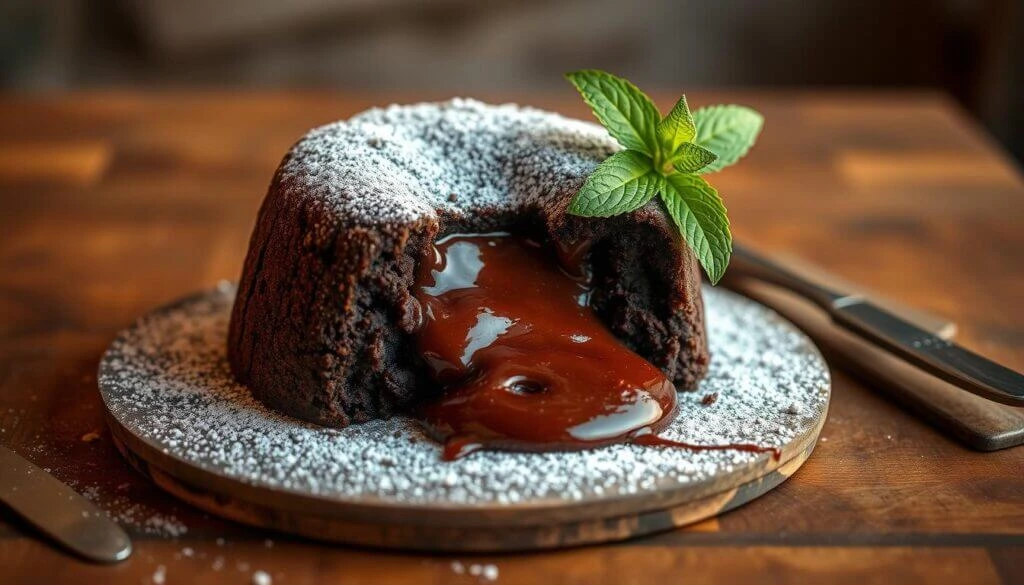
x=524 y=362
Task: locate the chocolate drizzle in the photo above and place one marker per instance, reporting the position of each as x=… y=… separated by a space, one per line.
x=523 y=361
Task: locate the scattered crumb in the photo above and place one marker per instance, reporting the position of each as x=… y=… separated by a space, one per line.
x=491 y=572
x=159 y=575
x=90 y=436
x=188 y=552
x=824 y=439
x=709 y=399
x=218 y=563
x=220 y=541
x=261 y=578
x=485 y=572
x=127 y=512
x=164 y=526
x=268 y=543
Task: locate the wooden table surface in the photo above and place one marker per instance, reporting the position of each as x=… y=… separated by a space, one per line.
x=114 y=203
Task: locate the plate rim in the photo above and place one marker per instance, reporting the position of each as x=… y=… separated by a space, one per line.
x=371 y=507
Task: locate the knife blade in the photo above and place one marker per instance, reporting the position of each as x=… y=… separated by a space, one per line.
x=872 y=322
x=59 y=512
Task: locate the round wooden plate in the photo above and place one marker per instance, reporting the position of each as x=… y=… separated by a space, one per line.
x=178 y=417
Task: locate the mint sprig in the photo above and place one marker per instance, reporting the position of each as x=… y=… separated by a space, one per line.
x=664 y=157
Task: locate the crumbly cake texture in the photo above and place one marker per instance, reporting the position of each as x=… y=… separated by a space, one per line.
x=322 y=328
x=166 y=380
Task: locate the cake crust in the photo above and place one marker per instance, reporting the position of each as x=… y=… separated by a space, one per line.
x=321 y=328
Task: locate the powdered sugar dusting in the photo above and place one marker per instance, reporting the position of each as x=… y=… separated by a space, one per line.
x=167 y=380
x=402 y=163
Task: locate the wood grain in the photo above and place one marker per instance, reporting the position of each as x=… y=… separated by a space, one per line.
x=884 y=496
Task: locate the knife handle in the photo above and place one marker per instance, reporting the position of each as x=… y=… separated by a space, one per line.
x=939 y=357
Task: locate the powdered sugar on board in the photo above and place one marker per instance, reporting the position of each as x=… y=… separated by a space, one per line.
x=167 y=381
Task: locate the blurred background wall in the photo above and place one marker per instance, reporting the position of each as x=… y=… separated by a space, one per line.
x=972 y=49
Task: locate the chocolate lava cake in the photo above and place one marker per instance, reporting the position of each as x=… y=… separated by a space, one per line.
x=323 y=323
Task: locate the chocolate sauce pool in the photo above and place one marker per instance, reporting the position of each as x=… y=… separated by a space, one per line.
x=524 y=362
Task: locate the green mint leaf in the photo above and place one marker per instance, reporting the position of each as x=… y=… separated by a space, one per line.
x=625 y=181
x=698 y=212
x=728 y=131
x=677 y=128
x=629 y=115
x=692 y=158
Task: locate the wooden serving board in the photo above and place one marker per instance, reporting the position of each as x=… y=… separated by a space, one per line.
x=178 y=418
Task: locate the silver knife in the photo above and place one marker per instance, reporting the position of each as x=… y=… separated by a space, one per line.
x=933 y=354
x=60 y=512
